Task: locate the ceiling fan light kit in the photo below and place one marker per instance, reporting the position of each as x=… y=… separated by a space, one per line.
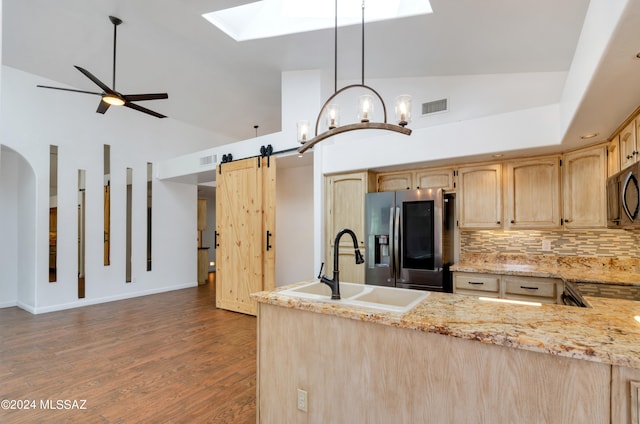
x=109 y=95
x=330 y=110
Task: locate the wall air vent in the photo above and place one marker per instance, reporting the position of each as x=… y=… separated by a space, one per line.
x=208 y=160
x=434 y=107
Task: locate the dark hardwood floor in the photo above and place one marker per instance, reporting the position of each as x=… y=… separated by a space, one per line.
x=166 y=358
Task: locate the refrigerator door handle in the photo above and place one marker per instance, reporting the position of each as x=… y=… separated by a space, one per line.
x=392 y=243
x=397 y=234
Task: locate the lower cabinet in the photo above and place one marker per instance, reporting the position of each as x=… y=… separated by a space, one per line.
x=534 y=289
x=625 y=395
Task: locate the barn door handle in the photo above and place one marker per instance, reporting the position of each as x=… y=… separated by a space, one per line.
x=215 y=239
x=268 y=239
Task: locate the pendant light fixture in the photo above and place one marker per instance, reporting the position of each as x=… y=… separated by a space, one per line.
x=330 y=111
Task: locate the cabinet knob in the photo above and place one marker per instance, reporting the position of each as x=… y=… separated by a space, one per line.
x=513 y=221
x=629 y=156
x=498 y=222
x=567 y=220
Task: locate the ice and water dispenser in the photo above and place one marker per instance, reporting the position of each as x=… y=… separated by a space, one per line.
x=382 y=250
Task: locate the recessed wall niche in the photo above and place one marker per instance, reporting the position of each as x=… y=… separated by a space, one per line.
x=107 y=204
x=53 y=213
x=128 y=225
x=81 y=232
x=149 y=198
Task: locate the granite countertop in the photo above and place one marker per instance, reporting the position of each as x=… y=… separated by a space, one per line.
x=570 y=268
x=606 y=333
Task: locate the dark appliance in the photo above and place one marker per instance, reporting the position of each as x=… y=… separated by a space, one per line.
x=623 y=198
x=409 y=239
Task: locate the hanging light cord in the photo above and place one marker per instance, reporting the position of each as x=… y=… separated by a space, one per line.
x=335 y=48
x=362 y=42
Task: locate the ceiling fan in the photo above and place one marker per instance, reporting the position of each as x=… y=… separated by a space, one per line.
x=110 y=97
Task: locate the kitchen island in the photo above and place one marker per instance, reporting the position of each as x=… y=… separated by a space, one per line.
x=452 y=358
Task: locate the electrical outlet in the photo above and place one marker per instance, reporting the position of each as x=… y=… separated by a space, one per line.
x=302 y=400
x=546 y=245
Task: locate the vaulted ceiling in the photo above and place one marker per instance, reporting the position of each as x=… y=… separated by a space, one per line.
x=228 y=87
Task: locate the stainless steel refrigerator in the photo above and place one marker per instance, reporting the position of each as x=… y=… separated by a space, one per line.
x=409 y=239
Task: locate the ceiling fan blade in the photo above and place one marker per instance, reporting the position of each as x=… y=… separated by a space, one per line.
x=102 y=107
x=140 y=97
x=69 y=89
x=95 y=80
x=143 y=109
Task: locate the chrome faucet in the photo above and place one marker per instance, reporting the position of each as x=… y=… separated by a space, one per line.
x=334 y=283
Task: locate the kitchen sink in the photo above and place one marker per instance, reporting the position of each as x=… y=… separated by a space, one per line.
x=374 y=297
x=320 y=290
x=391 y=298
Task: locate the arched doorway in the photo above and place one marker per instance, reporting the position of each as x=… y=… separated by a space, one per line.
x=18 y=229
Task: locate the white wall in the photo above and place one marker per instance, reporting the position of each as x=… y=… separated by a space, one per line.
x=31 y=120
x=294 y=224
x=9 y=164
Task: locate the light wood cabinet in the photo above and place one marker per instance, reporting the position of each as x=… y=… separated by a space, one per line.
x=535 y=289
x=613 y=156
x=245 y=223
x=345 y=208
x=414 y=376
x=584 y=176
x=416 y=179
x=628 y=144
x=395 y=181
x=202 y=214
x=480 y=199
x=435 y=178
x=532 y=289
x=203 y=265
x=625 y=395
x=533 y=193
x=476 y=284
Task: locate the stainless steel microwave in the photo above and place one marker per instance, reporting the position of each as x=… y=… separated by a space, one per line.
x=623 y=198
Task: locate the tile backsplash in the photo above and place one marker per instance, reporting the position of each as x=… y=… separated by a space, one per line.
x=590 y=243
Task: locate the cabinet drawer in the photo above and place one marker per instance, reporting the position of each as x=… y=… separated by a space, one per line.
x=530 y=286
x=477 y=282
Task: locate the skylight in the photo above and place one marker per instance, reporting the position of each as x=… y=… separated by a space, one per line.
x=272 y=18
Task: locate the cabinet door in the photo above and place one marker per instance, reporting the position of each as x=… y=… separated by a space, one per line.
x=435 y=178
x=584 y=188
x=345 y=197
x=613 y=156
x=202 y=214
x=395 y=181
x=625 y=395
x=533 y=193
x=345 y=208
x=480 y=196
x=628 y=151
x=350 y=272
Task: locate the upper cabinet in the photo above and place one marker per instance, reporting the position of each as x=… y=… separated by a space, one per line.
x=613 y=156
x=480 y=199
x=584 y=174
x=435 y=178
x=423 y=178
x=628 y=144
x=395 y=181
x=533 y=193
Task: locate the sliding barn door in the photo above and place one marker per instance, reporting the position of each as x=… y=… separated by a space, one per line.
x=245 y=212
